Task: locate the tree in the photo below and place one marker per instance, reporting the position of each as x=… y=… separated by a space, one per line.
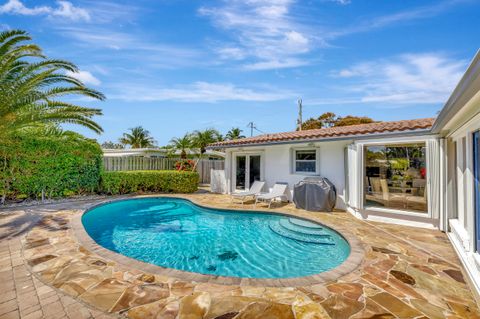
x=353 y=120
x=201 y=139
x=138 y=138
x=327 y=119
x=330 y=119
x=31 y=88
x=311 y=124
x=234 y=134
x=182 y=144
x=112 y=145
x=31 y=85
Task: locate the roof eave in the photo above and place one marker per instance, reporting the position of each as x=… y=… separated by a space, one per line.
x=459 y=94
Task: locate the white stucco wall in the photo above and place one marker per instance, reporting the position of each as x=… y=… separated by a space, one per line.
x=462 y=196
x=277 y=162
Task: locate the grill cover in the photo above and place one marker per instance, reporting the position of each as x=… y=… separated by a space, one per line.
x=315 y=194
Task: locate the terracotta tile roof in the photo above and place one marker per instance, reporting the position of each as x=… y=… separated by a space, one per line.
x=332 y=132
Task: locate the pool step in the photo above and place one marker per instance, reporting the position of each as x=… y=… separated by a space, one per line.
x=323 y=239
x=304 y=223
x=285 y=223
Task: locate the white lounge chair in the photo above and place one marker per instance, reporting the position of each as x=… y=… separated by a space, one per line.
x=278 y=190
x=254 y=190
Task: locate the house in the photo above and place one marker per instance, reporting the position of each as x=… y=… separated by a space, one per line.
x=423 y=172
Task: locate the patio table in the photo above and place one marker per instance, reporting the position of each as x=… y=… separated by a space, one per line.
x=410 y=190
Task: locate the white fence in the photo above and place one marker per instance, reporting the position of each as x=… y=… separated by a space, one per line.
x=136 y=163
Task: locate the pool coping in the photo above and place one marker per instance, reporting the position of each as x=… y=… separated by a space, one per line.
x=353 y=261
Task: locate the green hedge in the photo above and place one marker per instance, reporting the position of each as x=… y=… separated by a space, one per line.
x=125 y=182
x=57 y=165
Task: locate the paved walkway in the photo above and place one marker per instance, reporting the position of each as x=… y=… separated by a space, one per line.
x=46 y=273
x=22 y=295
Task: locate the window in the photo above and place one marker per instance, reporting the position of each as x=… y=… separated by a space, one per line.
x=305 y=161
x=395 y=177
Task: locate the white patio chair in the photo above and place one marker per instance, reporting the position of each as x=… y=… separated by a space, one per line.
x=254 y=190
x=278 y=190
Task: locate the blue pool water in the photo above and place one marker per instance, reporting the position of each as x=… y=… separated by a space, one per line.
x=176 y=233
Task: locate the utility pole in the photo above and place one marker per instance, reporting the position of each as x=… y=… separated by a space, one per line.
x=252 y=126
x=299 y=120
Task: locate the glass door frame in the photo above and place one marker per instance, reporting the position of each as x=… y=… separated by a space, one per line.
x=476 y=187
x=466 y=219
x=361 y=144
x=247 y=168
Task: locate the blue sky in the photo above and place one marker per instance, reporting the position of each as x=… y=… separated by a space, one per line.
x=176 y=66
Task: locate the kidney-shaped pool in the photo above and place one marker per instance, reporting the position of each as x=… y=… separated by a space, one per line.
x=175 y=233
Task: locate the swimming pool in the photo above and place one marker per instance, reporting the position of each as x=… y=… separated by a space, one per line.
x=175 y=233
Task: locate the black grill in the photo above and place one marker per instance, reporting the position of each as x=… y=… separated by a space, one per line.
x=315 y=194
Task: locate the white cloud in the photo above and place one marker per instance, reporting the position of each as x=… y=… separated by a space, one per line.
x=264 y=32
x=276 y=64
x=296 y=38
x=232 y=53
x=98 y=38
x=198 y=92
x=356 y=70
x=85 y=76
x=269 y=34
x=377 y=22
x=406 y=79
x=108 y=11
x=64 y=9
x=67 y=10
x=342 y=2
x=17 y=7
x=134 y=51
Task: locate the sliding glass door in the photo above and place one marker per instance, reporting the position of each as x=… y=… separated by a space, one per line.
x=240 y=172
x=476 y=181
x=247 y=170
x=254 y=172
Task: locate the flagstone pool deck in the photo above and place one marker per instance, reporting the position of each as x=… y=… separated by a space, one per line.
x=47 y=271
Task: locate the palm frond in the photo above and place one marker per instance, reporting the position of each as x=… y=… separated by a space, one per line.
x=4 y=35
x=29 y=89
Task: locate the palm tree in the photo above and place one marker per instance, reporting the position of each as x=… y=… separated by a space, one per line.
x=31 y=85
x=112 y=145
x=234 y=134
x=182 y=144
x=201 y=139
x=138 y=138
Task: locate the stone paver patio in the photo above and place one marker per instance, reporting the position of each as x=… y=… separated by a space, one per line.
x=45 y=272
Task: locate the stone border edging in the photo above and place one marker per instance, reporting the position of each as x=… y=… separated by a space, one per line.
x=352 y=262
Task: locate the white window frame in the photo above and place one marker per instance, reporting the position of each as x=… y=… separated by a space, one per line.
x=294 y=160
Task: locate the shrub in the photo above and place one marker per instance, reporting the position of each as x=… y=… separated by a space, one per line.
x=184 y=165
x=57 y=165
x=125 y=182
